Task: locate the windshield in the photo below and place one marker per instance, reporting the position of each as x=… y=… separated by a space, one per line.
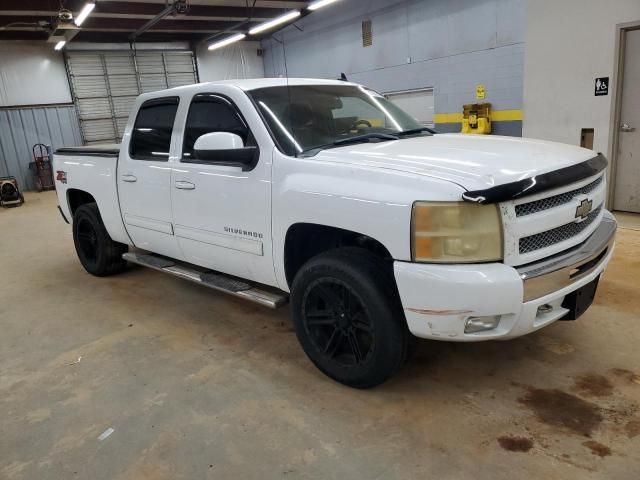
x=305 y=118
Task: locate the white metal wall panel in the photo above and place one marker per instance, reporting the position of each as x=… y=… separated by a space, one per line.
x=31 y=73
x=105 y=84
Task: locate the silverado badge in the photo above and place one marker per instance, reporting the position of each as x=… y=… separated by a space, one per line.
x=583 y=210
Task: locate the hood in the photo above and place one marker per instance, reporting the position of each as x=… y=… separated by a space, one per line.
x=474 y=162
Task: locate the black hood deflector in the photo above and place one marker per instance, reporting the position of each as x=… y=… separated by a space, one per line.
x=538 y=183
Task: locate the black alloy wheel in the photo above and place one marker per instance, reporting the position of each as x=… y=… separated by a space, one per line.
x=98 y=253
x=337 y=322
x=348 y=316
x=87 y=240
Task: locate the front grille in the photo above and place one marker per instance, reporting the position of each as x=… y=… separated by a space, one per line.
x=556 y=200
x=556 y=235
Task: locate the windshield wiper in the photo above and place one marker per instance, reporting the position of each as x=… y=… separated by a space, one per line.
x=415 y=130
x=364 y=137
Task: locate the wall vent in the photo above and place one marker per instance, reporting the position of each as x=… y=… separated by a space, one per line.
x=367 y=35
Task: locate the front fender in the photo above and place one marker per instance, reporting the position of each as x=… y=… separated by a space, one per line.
x=371 y=201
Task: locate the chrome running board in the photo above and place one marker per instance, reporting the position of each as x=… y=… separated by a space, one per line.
x=263 y=295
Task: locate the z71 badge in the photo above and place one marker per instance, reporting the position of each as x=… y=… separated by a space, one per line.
x=61 y=176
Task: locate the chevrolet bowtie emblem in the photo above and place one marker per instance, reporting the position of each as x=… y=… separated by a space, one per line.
x=584 y=209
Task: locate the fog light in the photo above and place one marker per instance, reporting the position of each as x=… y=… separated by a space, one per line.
x=481 y=324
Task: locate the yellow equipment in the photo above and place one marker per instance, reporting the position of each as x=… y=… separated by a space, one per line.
x=476 y=118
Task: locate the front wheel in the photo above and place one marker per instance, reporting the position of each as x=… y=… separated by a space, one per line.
x=348 y=317
x=98 y=253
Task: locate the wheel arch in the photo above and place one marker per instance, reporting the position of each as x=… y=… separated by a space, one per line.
x=304 y=241
x=76 y=198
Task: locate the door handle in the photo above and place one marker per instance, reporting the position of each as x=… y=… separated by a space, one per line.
x=625 y=127
x=129 y=178
x=182 y=185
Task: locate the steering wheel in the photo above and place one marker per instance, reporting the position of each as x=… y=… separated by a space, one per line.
x=354 y=125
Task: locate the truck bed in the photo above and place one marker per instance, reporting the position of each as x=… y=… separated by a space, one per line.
x=92 y=170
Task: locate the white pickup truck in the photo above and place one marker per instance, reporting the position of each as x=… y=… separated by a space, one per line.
x=326 y=193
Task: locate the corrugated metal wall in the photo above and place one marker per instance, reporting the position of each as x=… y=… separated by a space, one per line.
x=21 y=128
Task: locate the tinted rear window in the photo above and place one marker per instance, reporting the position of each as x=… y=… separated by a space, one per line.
x=151 y=137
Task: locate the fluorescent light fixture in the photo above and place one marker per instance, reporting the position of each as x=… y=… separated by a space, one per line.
x=276 y=21
x=320 y=4
x=86 y=10
x=59 y=45
x=227 y=41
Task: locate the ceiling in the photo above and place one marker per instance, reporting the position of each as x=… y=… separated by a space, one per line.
x=115 y=21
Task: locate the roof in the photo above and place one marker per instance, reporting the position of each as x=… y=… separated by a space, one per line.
x=246 y=85
x=254 y=83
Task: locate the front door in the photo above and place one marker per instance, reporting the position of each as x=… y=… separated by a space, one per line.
x=144 y=178
x=627 y=187
x=222 y=213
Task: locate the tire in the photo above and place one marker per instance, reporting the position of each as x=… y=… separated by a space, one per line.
x=348 y=317
x=99 y=255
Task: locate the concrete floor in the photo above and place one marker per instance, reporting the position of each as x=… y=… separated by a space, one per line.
x=199 y=385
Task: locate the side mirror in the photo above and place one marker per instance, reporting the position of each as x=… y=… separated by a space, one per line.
x=218 y=141
x=224 y=148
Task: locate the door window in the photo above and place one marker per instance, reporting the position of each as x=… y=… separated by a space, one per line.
x=151 y=136
x=211 y=113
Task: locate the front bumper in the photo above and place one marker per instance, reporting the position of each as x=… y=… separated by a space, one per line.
x=438 y=299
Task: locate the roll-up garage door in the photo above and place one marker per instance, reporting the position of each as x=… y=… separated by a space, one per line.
x=417 y=103
x=105 y=83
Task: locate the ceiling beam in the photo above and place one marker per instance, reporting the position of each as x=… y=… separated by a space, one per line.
x=117 y=37
x=288 y=4
x=190 y=16
x=137 y=8
x=22 y=35
x=133 y=24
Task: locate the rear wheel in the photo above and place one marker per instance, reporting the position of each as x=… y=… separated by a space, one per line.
x=98 y=253
x=348 y=317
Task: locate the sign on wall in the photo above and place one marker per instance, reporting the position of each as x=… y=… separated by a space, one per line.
x=602 y=86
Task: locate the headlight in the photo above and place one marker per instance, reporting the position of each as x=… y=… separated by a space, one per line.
x=455 y=232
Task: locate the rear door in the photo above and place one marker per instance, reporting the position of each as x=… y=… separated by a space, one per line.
x=144 y=178
x=222 y=213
